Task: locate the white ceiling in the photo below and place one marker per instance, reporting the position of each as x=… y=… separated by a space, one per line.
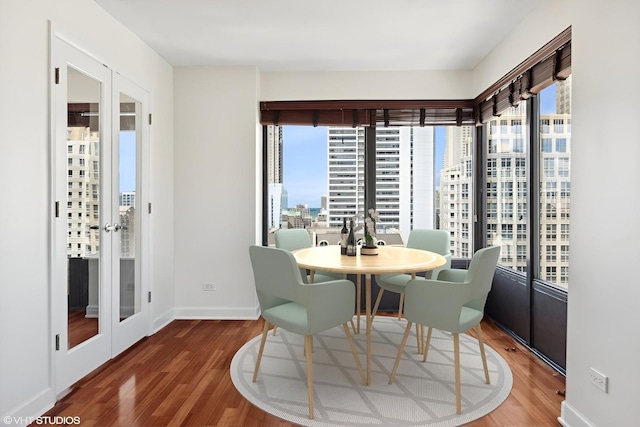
x=323 y=35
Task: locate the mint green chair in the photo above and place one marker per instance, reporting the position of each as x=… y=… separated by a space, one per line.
x=288 y=303
x=298 y=238
x=454 y=303
x=427 y=240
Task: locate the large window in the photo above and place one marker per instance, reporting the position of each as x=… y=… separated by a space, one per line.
x=506 y=187
x=316 y=179
x=555 y=182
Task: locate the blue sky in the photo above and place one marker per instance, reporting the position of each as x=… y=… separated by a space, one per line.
x=127 y=161
x=305 y=156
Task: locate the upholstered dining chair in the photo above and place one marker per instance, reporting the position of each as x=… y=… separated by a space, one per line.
x=454 y=303
x=287 y=302
x=427 y=240
x=298 y=238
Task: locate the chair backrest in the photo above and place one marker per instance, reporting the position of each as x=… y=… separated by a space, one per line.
x=481 y=271
x=430 y=240
x=276 y=275
x=439 y=304
x=292 y=239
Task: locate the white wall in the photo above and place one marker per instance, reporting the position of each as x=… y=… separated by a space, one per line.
x=25 y=331
x=546 y=21
x=217 y=182
x=300 y=86
x=605 y=232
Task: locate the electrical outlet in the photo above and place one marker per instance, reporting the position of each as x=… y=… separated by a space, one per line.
x=599 y=380
x=208 y=287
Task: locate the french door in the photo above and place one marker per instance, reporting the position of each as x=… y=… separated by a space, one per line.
x=99 y=233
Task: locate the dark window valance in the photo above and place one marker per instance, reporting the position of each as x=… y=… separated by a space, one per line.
x=552 y=62
x=368 y=113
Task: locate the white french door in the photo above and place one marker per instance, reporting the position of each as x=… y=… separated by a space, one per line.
x=100 y=140
x=130 y=319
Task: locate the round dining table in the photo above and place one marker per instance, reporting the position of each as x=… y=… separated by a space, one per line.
x=389 y=260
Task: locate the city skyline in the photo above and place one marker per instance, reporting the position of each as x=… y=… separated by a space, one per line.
x=305 y=157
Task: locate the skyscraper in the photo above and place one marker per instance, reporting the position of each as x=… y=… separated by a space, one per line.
x=404 y=176
x=277 y=194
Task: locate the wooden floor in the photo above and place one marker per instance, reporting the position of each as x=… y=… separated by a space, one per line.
x=180 y=376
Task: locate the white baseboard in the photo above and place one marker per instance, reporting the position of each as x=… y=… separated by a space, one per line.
x=217 y=313
x=163 y=320
x=569 y=417
x=27 y=412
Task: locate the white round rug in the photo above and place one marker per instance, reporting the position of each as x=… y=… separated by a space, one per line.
x=422 y=394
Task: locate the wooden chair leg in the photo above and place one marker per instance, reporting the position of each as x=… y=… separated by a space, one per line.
x=308 y=344
x=483 y=354
x=425 y=350
x=456 y=357
x=419 y=337
x=355 y=353
x=377 y=304
x=400 y=350
x=400 y=306
x=265 y=331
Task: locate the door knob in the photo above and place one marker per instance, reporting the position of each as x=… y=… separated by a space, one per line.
x=107 y=227
x=116 y=227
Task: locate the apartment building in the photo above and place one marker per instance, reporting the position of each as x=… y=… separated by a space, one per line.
x=404 y=176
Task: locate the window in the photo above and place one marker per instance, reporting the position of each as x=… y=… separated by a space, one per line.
x=555 y=182
x=320 y=182
x=500 y=194
x=561 y=145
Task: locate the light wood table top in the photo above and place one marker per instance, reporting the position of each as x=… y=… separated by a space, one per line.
x=390 y=259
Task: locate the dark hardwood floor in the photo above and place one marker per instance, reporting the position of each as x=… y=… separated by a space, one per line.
x=180 y=376
x=81 y=328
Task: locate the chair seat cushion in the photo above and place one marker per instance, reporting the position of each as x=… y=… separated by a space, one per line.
x=290 y=316
x=394 y=282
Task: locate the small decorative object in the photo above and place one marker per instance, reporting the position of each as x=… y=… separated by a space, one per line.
x=370 y=247
x=344 y=235
x=352 y=248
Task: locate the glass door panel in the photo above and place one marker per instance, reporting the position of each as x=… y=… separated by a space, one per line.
x=130 y=311
x=83 y=206
x=128 y=139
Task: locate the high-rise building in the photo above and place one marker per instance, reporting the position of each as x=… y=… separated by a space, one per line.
x=456 y=189
x=128 y=198
x=404 y=176
x=563 y=96
x=277 y=194
x=274 y=154
x=83 y=182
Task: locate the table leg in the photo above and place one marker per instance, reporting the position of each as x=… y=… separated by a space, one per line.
x=367 y=292
x=358 y=299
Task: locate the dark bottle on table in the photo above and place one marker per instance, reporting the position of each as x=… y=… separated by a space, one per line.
x=344 y=235
x=351 y=242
